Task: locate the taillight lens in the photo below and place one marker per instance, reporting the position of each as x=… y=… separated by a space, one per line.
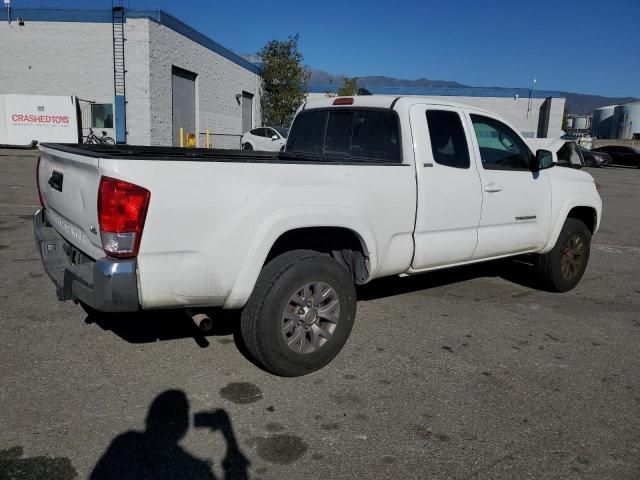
x=122 y=209
x=38 y=183
x=343 y=101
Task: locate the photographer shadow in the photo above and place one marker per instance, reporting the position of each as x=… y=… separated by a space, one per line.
x=156 y=454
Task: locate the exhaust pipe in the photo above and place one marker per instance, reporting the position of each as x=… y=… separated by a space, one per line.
x=201 y=320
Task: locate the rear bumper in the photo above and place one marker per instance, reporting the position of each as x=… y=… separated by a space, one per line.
x=106 y=284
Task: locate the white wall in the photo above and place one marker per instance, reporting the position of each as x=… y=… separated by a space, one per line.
x=57 y=58
x=76 y=58
x=136 y=60
x=217 y=83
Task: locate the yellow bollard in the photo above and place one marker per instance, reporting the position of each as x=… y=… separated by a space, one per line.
x=181 y=137
x=191 y=140
x=207 y=138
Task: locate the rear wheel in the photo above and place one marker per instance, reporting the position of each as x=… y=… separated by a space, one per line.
x=300 y=313
x=561 y=269
x=107 y=141
x=247 y=146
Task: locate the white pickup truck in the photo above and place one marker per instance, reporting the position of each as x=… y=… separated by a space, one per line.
x=368 y=187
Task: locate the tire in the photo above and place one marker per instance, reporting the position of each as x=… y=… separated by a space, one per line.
x=107 y=141
x=247 y=146
x=561 y=269
x=270 y=310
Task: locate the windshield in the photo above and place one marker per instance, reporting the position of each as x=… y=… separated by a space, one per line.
x=284 y=132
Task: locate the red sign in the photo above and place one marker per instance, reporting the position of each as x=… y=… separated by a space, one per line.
x=50 y=119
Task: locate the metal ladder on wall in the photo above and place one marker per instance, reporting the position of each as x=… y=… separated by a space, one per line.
x=119 y=70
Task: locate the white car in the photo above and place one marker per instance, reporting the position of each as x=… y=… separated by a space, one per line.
x=266 y=139
x=368 y=187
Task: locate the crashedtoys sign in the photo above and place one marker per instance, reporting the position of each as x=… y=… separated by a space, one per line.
x=24 y=118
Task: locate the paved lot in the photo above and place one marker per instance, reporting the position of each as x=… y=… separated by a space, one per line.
x=458 y=374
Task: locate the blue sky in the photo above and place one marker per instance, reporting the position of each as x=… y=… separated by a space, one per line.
x=583 y=46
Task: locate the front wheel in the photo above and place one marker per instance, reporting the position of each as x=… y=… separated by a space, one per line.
x=561 y=269
x=107 y=141
x=300 y=313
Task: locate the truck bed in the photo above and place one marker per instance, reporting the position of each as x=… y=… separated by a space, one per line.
x=141 y=152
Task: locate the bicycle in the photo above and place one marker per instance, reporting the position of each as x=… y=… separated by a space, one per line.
x=103 y=140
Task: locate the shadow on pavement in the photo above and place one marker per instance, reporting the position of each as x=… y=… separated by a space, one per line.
x=520 y=271
x=156 y=454
x=153 y=325
x=13 y=466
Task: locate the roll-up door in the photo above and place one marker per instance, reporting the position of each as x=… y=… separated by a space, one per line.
x=183 y=90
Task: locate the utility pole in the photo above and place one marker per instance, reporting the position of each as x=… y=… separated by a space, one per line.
x=530 y=104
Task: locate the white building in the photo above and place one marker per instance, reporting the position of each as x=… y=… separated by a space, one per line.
x=139 y=75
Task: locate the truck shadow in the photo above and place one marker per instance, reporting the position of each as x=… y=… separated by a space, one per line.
x=520 y=271
x=160 y=325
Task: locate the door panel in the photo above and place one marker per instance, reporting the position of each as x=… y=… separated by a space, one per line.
x=516 y=202
x=449 y=196
x=183 y=89
x=247 y=111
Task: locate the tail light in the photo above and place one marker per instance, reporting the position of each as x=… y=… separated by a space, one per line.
x=122 y=209
x=343 y=101
x=38 y=183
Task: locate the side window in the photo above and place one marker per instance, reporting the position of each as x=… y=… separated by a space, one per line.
x=101 y=115
x=376 y=135
x=256 y=132
x=269 y=132
x=338 y=132
x=500 y=147
x=448 y=141
x=307 y=132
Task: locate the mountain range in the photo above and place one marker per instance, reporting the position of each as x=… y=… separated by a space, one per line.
x=576 y=103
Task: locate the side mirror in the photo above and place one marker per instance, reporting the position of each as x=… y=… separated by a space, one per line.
x=275 y=137
x=544 y=159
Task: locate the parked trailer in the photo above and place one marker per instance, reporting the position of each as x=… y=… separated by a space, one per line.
x=41 y=118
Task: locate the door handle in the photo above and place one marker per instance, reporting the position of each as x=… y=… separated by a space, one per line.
x=493 y=188
x=56 y=180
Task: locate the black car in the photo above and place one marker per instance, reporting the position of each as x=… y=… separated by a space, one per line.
x=622 y=155
x=595 y=159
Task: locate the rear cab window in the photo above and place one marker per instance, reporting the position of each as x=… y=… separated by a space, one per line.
x=356 y=135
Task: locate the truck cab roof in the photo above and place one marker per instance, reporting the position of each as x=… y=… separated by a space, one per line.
x=397 y=102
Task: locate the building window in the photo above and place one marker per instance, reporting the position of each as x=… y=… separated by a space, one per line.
x=101 y=115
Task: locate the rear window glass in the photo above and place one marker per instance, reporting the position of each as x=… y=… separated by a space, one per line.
x=307 y=133
x=375 y=135
x=338 y=132
x=356 y=134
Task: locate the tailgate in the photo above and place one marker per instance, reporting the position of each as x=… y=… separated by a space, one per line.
x=69 y=186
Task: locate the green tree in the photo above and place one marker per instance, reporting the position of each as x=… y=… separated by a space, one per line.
x=284 y=81
x=349 y=88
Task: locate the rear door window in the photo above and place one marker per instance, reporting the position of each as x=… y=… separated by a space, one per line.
x=448 y=140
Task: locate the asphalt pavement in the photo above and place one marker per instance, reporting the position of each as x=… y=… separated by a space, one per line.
x=465 y=374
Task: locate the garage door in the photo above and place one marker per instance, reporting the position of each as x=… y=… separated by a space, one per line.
x=247 y=112
x=183 y=89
